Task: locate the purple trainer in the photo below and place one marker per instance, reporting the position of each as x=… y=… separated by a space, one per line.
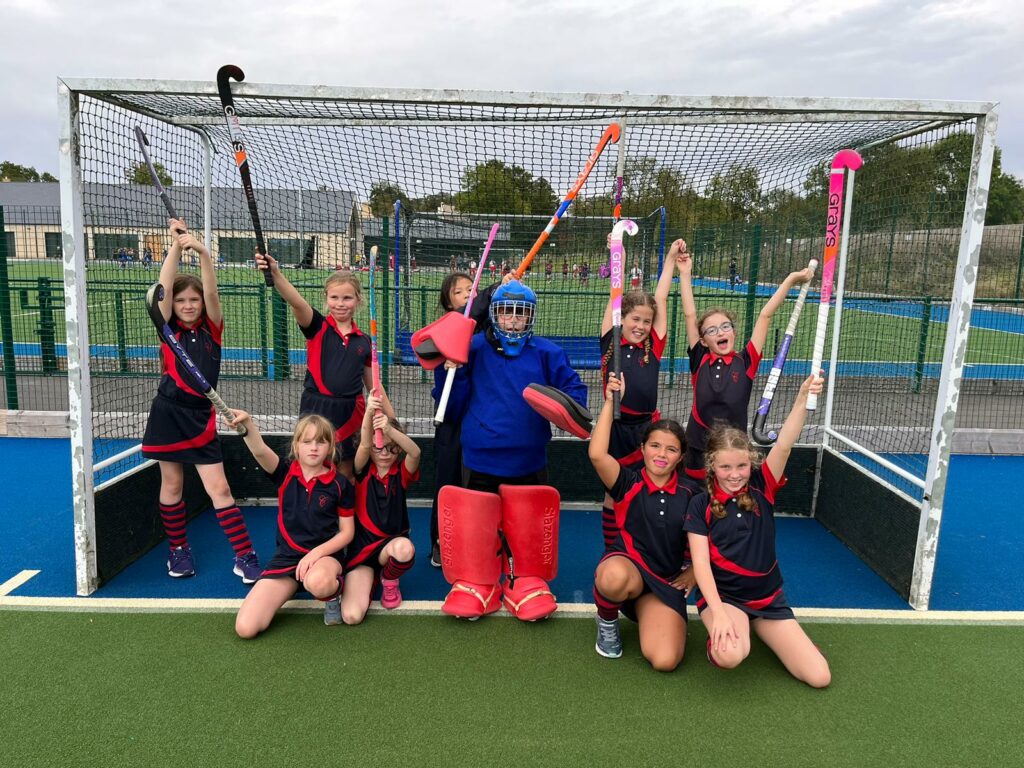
x=248 y=567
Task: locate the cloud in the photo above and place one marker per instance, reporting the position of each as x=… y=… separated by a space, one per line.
x=868 y=48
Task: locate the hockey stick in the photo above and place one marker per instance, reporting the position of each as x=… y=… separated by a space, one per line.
x=757 y=431
x=140 y=136
x=442 y=403
x=610 y=135
x=154 y=296
x=378 y=435
x=628 y=226
x=846 y=159
x=224 y=75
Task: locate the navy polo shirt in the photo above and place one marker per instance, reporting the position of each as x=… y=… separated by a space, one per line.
x=640 y=370
x=335 y=360
x=741 y=544
x=380 y=501
x=721 y=390
x=308 y=510
x=202 y=342
x=649 y=520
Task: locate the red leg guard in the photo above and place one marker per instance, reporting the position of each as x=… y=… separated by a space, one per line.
x=470 y=551
x=529 y=522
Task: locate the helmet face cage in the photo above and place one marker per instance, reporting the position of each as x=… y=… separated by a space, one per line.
x=512 y=321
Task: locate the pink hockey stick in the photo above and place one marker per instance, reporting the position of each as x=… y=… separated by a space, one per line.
x=845 y=160
x=629 y=227
x=442 y=403
x=378 y=435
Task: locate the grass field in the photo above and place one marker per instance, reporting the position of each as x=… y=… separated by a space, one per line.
x=85 y=689
x=567 y=308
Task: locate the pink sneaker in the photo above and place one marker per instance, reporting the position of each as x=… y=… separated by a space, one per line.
x=391 y=597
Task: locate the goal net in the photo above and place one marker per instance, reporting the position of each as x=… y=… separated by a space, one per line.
x=744 y=181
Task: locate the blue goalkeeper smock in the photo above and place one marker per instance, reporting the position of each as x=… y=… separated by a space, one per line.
x=501 y=434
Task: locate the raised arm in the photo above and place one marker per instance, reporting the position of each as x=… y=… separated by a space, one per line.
x=764 y=320
x=362 y=457
x=668 y=270
x=211 y=299
x=605 y=465
x=385 y=401
x=300 y=307
x=169 y=267
x=264 y=455
x=789 y=433
x=403 y=441
x=606 y=320
x=684 y=260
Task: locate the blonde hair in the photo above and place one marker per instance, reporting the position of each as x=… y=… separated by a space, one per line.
x=323 y=431
x=341 y=277
x=714 y=311
x=726 y=438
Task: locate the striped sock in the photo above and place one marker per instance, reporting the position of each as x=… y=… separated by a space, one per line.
x=393 y=569
x=173 y=518
x=606 y=609
x=608 y=528
x=233 y=525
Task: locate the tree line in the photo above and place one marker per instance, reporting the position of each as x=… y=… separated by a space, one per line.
x=918 y=187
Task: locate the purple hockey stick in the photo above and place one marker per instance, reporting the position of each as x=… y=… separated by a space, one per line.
x=757 y=430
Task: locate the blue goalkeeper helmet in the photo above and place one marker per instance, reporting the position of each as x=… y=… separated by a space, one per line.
x=512 y=312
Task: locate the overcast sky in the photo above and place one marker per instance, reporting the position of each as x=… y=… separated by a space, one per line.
x=957 y=50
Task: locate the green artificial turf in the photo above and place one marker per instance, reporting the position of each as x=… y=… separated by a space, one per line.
x=182 y=690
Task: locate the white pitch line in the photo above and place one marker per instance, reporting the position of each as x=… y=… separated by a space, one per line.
x=433 y=608
x=16 y=581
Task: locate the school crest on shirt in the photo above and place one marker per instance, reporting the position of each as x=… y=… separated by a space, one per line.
x=735 y=377
x=322 y=500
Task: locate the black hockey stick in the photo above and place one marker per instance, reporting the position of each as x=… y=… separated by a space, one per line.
x=140 y=135
x=154 y=296
x=224 y=75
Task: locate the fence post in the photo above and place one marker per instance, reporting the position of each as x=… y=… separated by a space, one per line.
x=262 y=312
x=892 y=245
x=1020 y=265
x=922 y=343
x=661 y=243
x=279 y=334
x=672 y=336
x=119 y=325
x=755 y=268
x=423 y=321
x=7 y=323
x=927 y=243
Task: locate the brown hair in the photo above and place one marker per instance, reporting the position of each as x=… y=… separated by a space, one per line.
x=396 y=425
x=726 y=438
x=714 y=311
x=183 y=283
x=323 y=432
x=447 y=286
x=630 y=301
x=666 y=425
